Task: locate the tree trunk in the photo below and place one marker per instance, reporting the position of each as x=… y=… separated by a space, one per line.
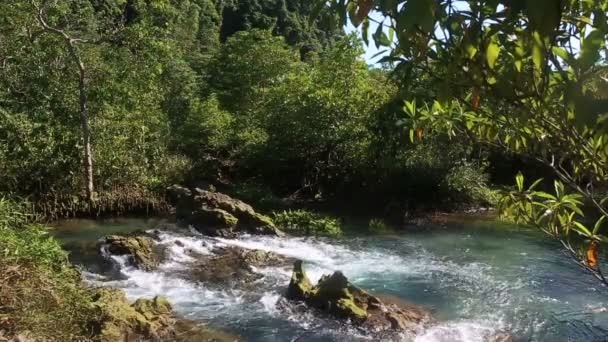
x=86 y=132
x=83 y=100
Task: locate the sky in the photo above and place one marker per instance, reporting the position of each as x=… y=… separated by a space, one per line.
x=371 y=49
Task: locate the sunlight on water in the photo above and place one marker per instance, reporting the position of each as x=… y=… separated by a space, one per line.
x=478 y=282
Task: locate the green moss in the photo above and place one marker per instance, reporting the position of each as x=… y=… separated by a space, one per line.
x=333 y=294
x=300 y=287
x=302 y=222
x=140 y=247
x=264 y=220
x=348 y=308
x=216 y=217
x=150 y=308
x=118 y=318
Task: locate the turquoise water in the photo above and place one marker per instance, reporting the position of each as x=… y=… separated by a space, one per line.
x=479 y=279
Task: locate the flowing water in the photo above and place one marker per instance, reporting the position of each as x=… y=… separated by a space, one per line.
x=478 y=279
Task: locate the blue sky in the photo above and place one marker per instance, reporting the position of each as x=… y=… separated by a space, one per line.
x=370 y=50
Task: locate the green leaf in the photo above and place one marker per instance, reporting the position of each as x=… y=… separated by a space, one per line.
x=561 y=53
x=519 y=180
x=538 y=52
x=365 y=31
x=492 y=52
x=590 y=49
x=471 y=50
x=598 y=225
x=410 y=107
x=545 y=15
x=581 y=229
x=380 y=37
x=417 y=13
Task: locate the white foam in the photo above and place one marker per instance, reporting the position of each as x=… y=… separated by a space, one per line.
x=321 y=257
x=269 y=302
x=465 y=331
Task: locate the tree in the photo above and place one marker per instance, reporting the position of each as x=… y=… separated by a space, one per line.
x=515 y=75
x=316 y=120
x=243 y=66
x=287 y=18
x=71 y=42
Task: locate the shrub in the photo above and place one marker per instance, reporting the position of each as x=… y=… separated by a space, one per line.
x=302 y=222
x=469 y=184
x=378 y=226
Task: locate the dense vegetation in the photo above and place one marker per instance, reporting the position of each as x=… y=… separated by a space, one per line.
x=103 y=104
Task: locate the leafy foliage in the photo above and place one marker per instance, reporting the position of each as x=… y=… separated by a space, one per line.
x=302 y=222
x=24 y=242
x=511 y=74
x=169 y=100
x=287 y=18
x=560 y=215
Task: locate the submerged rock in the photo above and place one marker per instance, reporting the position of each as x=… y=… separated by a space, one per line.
x=141 y=249
x=190 y=331
x=217 y=214
x=335 y=295
x=231 y=266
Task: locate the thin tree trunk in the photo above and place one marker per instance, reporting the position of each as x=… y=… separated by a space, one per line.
x=85 y=125
x=83 y=100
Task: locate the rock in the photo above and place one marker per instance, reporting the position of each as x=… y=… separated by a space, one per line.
x=141 y=249
x=230 y=266
x=335 y=295
x=217 y=214
x=300 y=288
x=146 y=319
x=190 y=331
x=259 y=258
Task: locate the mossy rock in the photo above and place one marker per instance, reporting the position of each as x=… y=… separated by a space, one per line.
x=143 y=251
x=217 y=214
x=120 y=320
x=190 y=331
x=300 y=288
x=336 y=296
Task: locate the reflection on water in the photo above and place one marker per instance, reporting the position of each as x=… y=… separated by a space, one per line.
x=477 y=278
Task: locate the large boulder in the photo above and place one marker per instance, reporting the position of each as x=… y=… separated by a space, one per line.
x=217 y=214
x=140 y=248
x=335 y=295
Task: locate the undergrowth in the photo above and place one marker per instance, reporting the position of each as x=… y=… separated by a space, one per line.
x=41 y=296
x=302 y=222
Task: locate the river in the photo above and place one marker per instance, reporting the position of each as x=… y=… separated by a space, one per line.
x=478 y=278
